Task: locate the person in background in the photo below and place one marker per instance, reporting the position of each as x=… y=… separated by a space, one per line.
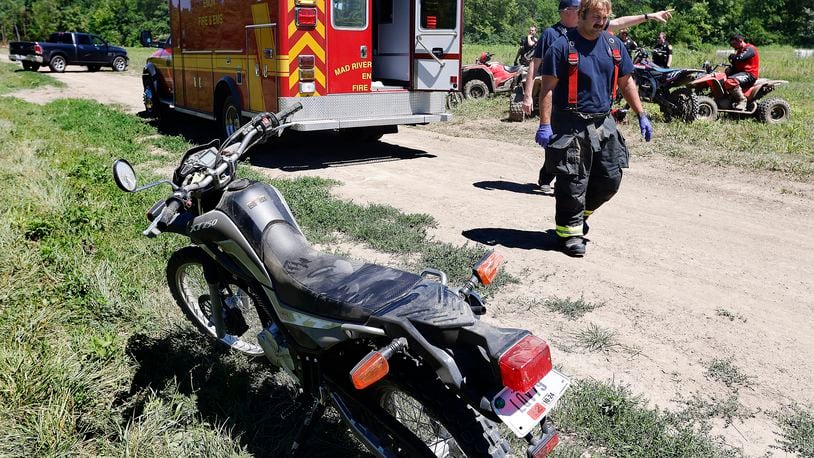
x=744 y=70
x=527 y=44
x=628 y=41
x=568 y=20
x=663 y=52
x=583 y=147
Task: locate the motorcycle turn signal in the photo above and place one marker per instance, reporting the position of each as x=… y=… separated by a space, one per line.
x=374 y=366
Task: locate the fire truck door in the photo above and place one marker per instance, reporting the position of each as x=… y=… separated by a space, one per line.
x=437 y=50
x=349 y=45
x=262 y=71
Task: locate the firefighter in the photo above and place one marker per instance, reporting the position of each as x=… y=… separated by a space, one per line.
x=743 y=72
x=568 y=20
x=583 y=148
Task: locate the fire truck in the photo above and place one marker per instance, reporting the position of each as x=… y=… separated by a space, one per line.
x=367 y=65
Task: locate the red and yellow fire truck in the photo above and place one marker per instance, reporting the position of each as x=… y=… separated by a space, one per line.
x=363 y=64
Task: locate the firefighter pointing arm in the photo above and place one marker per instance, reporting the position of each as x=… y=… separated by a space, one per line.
x=583 y=148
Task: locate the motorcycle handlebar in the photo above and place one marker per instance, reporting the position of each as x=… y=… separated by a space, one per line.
x=168 y=214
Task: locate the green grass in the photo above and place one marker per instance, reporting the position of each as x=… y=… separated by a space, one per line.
x=797 y=435
x=725 y=371
x=596 y=338
x=608 y=416
x=571 y=308
x=727 y=408
x=15 y=78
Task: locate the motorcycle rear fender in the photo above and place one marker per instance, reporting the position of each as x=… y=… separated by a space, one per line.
x=465 y=357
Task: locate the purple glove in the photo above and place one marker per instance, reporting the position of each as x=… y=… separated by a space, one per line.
x=544 y=134
x=644 y=124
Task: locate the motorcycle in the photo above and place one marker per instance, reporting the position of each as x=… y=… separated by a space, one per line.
x=402 y=357
x=666 y=87
x=713 y=99
x=485 y=77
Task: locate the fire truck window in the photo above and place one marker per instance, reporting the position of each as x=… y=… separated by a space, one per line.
x=349 y=14
x=439 y=14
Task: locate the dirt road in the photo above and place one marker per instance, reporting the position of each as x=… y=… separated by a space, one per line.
x=693 y=265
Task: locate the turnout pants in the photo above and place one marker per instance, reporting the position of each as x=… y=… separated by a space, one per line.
x=587 y=157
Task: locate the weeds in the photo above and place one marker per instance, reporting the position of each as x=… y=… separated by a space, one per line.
x=728 y=408
x=730 y=315
x=797 y=435
x=596 y=338
x=609 y=416
x=571 y=308
x=723 y=370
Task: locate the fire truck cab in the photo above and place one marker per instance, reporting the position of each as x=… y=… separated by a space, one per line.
x=370 y=64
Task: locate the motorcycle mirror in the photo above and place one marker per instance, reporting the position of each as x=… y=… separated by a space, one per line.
x=124 y=175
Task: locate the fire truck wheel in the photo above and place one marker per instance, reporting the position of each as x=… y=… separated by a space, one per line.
x=476 y=89
x=229 y=119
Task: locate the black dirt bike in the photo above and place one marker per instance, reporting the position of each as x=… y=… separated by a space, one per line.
x=666 y=87
x=402 y=357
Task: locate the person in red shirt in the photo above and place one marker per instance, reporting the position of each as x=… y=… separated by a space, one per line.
x=744 y=70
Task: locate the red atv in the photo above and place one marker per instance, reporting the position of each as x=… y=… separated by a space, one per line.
x=485 y=78
x=713 y=99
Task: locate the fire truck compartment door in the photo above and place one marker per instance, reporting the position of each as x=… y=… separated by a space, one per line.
x=437 y=47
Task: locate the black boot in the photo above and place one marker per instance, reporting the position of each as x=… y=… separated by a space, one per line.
x=574 y=246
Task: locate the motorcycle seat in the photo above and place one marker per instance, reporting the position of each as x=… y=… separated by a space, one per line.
x=328 y=285
x=512 y=68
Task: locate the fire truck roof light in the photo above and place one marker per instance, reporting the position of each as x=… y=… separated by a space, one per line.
x=306 y=17
x=525 y=363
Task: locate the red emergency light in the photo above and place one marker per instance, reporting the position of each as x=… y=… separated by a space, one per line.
x=306 y=17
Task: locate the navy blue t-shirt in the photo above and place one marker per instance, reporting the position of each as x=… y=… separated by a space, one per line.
x=549 y=36
x=595 y=71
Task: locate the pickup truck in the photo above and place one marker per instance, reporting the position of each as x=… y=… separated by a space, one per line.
x=68 y=48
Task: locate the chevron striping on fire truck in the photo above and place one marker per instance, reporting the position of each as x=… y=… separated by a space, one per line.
x=368 y=65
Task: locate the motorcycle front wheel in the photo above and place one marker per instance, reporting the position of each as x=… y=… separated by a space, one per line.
x=185 y=276
x=413 y=414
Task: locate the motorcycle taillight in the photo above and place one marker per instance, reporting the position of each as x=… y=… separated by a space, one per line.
x=525 y=363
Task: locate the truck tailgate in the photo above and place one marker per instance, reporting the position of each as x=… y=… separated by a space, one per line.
x=21 y=47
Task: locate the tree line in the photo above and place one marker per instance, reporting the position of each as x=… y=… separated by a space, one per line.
x=486 y=21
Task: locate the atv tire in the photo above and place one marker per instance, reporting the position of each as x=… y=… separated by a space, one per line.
x=686 y=102
x=707 y=109
x=476 y=89
x=516 y=105
x=773 y=111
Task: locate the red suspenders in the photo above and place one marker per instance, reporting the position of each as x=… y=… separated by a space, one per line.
x=573 y=67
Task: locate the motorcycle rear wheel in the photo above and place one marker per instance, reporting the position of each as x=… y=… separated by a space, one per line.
x=424 y=418
x=188 y=286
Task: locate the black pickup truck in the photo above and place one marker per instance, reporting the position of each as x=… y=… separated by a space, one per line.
x=68 y=48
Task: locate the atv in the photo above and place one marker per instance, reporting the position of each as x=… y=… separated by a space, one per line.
x=485 y=78
x=665 y=87
x=713 y=99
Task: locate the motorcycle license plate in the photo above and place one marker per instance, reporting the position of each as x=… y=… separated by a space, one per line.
x=523 y=411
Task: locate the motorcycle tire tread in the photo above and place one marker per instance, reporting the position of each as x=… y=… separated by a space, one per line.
x=475 y=434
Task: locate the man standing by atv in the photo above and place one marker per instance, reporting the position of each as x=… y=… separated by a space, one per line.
x=568 y=20
x=629 y=42
x=527 y=44
x=583 y=147
x=744 y=70
x=663 y=52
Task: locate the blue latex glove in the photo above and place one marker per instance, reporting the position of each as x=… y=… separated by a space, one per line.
x=647 y=128
x=544 y=134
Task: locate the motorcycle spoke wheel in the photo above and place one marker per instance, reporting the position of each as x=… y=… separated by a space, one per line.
x=191 y=292
x=415 y=417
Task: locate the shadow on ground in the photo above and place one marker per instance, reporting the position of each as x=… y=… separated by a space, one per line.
x=256 y=402
x=295 y=151
x=515 y=238
x=501 y=185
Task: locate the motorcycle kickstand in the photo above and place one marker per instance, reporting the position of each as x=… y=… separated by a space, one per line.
x=308 y=426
